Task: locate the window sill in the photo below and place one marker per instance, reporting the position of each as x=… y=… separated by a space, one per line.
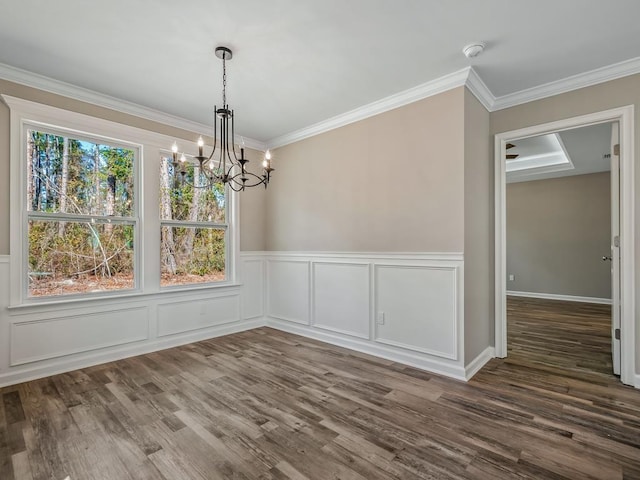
x=31 y=305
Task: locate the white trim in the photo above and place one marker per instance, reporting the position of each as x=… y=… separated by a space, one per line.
x=637 y=381
x=554 y=296
x=477 y=363
x=624 y=115
x=480 y=90
x=449 y=369
x=391 y=256
x=34 y=80
x=4 y=258
x=428 y=89
x=574 y=82
x=68 y=364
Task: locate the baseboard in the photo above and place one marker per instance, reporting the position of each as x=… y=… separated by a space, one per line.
x=567 y=298
x=62 y=365
x=480 y=361
x=421 y=361
x=637 y=381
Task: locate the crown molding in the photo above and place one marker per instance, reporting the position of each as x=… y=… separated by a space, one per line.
x=434 y=87
x=574 y=82
x=34 y=80
x=480 y=90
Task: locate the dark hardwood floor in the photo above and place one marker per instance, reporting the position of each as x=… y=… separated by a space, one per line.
x=269 y=405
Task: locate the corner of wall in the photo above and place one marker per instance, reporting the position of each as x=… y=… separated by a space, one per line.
x=478 y=231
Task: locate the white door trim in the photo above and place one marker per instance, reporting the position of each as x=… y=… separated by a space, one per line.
x=624 y=115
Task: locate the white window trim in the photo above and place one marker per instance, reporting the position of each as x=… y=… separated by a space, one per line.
x=150 y=145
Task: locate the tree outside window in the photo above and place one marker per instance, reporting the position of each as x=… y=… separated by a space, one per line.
x=194 y=227
x=81 y=215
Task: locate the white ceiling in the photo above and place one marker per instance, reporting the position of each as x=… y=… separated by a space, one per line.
x=585 y=148
x=298 y=62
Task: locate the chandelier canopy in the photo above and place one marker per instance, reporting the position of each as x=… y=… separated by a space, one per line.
x=225 y=167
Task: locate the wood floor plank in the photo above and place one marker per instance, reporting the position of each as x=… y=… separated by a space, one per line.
x=268 y=405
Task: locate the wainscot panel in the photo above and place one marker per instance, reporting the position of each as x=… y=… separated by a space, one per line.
x=288 y=290
x=253 y=288
x=416 y=309
x=340 y=298
x=65 y=335
x=187 y=315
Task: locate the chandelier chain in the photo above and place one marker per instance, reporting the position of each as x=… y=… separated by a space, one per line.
x=224 y=82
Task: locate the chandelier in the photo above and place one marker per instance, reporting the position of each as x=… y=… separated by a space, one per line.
x=225 y=167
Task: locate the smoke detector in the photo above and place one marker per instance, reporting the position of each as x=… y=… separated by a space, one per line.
x=473 y=50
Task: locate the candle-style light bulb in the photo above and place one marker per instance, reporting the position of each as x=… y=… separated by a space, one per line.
x=183 y=158
x=265 y=163
x=267 y=155
x=174 y=151
x=200 y=145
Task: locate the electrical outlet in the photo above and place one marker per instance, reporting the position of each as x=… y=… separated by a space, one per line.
x=512 y=277
x=380 y=318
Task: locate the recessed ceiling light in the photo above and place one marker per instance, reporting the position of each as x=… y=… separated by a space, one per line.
x=473 y=50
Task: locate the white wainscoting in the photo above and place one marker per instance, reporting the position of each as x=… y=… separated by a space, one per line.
x=417 y=308
x=288 y=290
x=252 y=274
x=41 y=340
x=57 y=335
x=332 y=297
x=403 y=307
x=341 y=298
x=187 y=315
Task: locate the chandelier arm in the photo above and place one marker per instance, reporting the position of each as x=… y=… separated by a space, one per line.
x=233 y=180
x=233 y=137
x=215 y=128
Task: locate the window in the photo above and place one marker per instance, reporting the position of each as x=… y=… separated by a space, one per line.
x=81 y=214
x=194 y=227
x=84 y=220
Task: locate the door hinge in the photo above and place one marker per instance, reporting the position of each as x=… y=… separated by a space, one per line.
x=616 y=149
x=616 y=241
x=617 y=334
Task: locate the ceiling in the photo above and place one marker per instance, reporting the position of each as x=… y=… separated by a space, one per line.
x=299 y=62
x=583 y=147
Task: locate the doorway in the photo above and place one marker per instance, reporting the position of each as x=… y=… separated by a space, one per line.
x=504 y=143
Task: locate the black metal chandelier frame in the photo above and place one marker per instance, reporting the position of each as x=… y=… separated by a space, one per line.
x=228 y=168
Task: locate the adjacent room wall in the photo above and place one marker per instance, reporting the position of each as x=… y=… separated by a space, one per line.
x=616 y=93
x=252 y=207
x=557 y=232
x=479 y=264
x=390 y=183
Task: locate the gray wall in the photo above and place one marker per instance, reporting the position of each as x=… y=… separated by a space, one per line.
x=390 y=183
x=557 y=232
x=478 y=230
x=252 y=206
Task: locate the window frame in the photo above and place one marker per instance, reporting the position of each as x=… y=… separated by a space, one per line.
x=229 y=253
x=149 y=147
x=133 y=220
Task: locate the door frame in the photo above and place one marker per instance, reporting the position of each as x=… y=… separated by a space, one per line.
x=625 y=117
